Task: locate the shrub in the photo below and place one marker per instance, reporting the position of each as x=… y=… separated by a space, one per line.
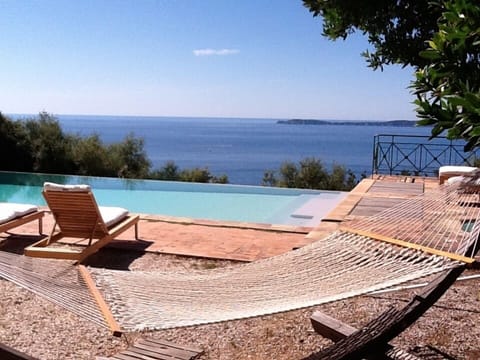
x=310 y=173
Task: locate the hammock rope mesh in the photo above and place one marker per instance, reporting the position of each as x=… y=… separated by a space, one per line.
x=56 y=281
x=344 y=264
x=338 y=267
x=443 y=220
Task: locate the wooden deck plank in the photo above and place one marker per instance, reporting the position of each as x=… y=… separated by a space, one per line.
x=161 y=350
x=401 y=188
x=172 y=345
x=157 y=349
x=373 y=206
x=379 y=202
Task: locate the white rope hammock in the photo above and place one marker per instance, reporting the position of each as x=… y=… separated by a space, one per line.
x=345 y=264
x=340 y=266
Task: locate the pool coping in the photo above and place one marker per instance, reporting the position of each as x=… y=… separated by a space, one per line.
x=226 y=223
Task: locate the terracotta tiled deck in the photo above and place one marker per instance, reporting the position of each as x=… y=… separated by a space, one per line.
x=248 y=242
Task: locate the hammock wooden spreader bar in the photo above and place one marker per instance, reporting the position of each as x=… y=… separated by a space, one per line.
x=426 y=249
x=102 y=305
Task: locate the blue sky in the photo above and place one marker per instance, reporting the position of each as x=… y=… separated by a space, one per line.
x=211 y=58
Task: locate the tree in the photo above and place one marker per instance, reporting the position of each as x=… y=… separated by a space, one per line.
x=440 y=39
x=310 y=173
x=448 y=88
x=169 y=171
x=92 y=158
x=289 y=175
x=14 y=146
x=397 y=29
x=51 y=147
x=130 y=158
x=195 y=175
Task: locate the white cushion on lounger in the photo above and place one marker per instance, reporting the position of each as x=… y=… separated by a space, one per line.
x=49 y=186
x=454 y=180
x=9 y=211
x=465 y=179
x=112 y=214
x=455 y=170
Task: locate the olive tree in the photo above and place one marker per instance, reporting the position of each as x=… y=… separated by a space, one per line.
x=448 y=87
x=439 y=39
x=397 y=29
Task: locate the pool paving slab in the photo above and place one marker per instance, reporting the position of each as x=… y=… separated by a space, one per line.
x=246 y=241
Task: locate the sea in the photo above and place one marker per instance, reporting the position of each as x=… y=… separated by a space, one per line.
x=242 y=149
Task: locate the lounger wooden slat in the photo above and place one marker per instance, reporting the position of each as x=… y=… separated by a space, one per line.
x=77 y=215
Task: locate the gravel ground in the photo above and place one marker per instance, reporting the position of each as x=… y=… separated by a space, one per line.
x=40 y=328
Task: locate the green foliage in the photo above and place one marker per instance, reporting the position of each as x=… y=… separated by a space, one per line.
x=130 y=158
x=440 y=39
x=448 y=88
x=171 y=172
x=168 y=172
x=14 y=146
x=310 y=173
x=91 y=157
x=51 y=148
x=195 y=175
x=397 y=29
x=289 y=175
x=202 y=176
x=39 y=144
x=222 y=179
x=269 y=178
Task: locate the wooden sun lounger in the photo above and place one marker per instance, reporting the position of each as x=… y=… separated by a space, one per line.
x=77 y=215
x=21 y=220
x=371 y=341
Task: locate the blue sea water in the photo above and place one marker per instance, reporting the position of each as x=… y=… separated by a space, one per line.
x=242 y=149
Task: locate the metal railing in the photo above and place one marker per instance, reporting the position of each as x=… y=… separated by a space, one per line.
x=416 y=155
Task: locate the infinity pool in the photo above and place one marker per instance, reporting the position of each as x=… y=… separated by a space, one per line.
x=254 y=204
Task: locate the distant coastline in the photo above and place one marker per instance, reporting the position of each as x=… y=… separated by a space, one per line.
x=400 y=123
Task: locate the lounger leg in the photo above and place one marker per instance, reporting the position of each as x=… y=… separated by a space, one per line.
x=51 y=233
x=136 y=231
x=40 y=226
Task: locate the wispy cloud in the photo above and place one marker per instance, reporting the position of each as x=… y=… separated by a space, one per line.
x=218 y=52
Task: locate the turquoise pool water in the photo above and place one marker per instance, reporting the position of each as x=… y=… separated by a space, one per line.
x=254 y=204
